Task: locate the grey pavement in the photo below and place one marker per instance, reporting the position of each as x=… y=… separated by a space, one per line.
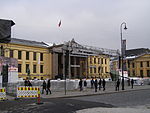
x=109 y=90
x=114 y=110
x=87 y=92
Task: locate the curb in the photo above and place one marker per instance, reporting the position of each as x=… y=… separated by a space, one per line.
x=121 y=91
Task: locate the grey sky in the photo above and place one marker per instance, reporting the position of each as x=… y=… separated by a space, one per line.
x=89 y=22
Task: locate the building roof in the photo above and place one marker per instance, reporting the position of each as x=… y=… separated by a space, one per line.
x=28 y=42
x=137 y=52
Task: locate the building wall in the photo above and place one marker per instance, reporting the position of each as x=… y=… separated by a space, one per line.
x=99 y=66
x=47 y=72
x=139 y=65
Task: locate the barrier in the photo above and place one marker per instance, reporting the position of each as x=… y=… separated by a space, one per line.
x=2 y=94
x=28 y=92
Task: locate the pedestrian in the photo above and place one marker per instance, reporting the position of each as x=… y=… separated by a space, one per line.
x=117 y=85
x=48 y=87
x=85 y=84
x=95 y=84
x=26 y=83
x=80 y=84
x=99 y=83
x=29 y=83
x=128 y=82
x=92 y=83
x=43 y=87
x=132 y=82
x=104 y=83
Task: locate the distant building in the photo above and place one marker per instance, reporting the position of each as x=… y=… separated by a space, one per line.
x=31 y=55
x=136 y=62
x=82 y=61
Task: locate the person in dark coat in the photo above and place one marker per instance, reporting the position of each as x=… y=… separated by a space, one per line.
x=44 y=87
x=48 y=87
x=132 y=82
x=128 y=82
x=29 y=83
x=80 y=85
x=117 y=85
x=104 y=83
x=92 y=83
x=95 y=84
x=26 y=83
x=99 y=83
x=85 y=84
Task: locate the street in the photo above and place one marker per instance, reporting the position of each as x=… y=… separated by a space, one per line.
x=130 y=99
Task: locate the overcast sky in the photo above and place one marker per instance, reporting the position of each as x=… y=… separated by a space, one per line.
x=89 y=22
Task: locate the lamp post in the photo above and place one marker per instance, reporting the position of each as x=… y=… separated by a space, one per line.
x=125 y=28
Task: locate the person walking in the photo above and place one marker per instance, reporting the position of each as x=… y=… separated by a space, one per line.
x=99 y=83
x=48 y=87
x=80 y=84
x=85 y=84
x=104 y=83
x=92 y=83
x=132 y=82
x=43 y=87
x=128 y=81
x=29 y=83
x=95 y=84
x=117 y=85
x=26 y=83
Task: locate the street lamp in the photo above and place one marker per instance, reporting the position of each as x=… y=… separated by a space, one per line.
x=125 y=28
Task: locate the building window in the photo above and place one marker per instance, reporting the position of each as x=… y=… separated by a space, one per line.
x=34 y=55
x=128 y=73
x=133 y=65
x=19 y=68
x=90 y=69
x=42 y=78
x=133 y=73
x=148 y=73
x=102 y=60
x=141 y=73
x=27 y=68
x=27 y=55
x=11 y=54
x=147 y=63
x=1 y=51
x=90 y=60
x=99 y=61
x=141 y=64
x=105 y=69
x=102 y=69
x=41 y=68
x=34 y=68
x=94 y=69
x=128 y=64
x=105 y=61
x=41 y=56
x=19 y=55
x=94 y=60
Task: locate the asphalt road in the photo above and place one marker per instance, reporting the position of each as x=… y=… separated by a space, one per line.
x=70 y=105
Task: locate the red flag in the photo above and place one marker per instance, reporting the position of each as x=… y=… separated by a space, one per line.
x=59 y=24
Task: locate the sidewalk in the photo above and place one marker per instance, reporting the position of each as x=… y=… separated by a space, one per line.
x=90 y=91
x=87 y=92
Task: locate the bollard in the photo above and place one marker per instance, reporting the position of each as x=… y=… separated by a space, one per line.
x=38 y=98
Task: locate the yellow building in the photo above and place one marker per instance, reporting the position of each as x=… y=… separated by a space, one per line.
x=99 y=66
x=33 y=58
x=138 y=66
